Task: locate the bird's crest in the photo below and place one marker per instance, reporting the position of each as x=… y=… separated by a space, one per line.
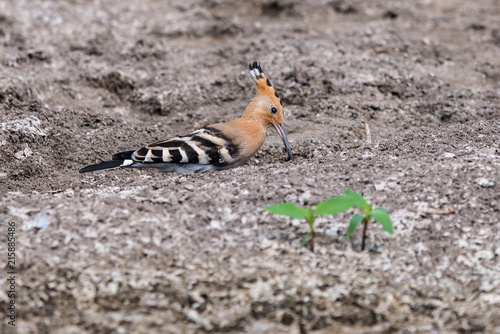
x=262 y=83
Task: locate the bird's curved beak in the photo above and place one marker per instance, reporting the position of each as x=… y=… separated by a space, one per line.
x=281 y=132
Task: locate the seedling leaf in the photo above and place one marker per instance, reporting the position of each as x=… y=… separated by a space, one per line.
x=288 y=209
x=380 y=215
x=356 y=199
x=333 y=206
x=353 y=223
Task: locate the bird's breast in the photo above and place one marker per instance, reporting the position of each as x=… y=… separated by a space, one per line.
x=246 y=135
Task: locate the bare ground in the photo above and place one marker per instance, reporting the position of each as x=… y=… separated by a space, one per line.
x=133 y=251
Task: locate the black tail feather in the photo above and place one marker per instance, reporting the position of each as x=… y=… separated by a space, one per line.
x=103 y=165
x=123 y=155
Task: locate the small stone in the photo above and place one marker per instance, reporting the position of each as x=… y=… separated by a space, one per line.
x=380 y=186
x=215 y=224
x=23 y=154
x=485 y=183
x=448 y=155
x=265 y=244
x=484 y=254
x=192 y=315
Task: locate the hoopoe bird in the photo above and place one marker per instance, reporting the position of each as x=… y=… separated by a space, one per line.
x=214 y=147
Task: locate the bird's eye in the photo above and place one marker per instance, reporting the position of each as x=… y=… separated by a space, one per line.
x=274 y=110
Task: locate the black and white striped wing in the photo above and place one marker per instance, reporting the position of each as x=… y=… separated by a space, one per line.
x=206 y=146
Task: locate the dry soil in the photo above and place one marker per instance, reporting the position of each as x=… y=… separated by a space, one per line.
x=131 y=251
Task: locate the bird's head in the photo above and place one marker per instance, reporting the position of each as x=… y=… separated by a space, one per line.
x=266 y=107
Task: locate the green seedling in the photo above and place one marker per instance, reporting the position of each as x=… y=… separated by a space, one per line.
x=332 y=207
x=293 y=211
x=352 y=199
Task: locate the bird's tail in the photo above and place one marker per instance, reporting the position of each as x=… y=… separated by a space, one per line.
x=121 y=159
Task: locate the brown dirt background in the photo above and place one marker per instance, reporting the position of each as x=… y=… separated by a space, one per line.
x=132 y=251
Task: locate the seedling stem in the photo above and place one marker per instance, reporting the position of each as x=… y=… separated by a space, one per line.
x=365 y=227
